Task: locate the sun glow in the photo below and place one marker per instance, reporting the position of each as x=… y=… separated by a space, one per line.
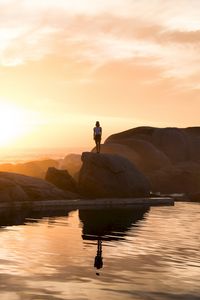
x=12 y=123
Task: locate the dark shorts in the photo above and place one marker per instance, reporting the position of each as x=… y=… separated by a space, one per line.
x=97 y=138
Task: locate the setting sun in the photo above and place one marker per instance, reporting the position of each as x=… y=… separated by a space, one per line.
x=12 y=123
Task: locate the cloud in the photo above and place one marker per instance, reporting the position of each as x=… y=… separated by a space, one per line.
x=102 y=32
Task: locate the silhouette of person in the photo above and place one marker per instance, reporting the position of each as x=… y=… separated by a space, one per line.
x=97 y=130
x=98 y=261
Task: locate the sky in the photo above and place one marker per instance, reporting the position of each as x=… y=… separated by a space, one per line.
x=66 y=64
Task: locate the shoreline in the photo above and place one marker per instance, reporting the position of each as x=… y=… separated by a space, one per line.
x=35 y=206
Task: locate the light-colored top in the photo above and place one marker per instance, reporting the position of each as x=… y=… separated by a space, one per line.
x=97 y=131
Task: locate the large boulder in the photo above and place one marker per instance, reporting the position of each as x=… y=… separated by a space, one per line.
x=177 y=144
x=142 y=133
x=61 y=178
x=17 y=187
x=108 y=175
x=168 y=157
x=144 y=155
x=180 y=178
x=194 y=197
x=10 y=191
x=172 y=142
x=122 y=150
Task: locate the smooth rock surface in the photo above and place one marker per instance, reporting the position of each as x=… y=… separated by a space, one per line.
x=61 y=178
x=178 y=144
x=194 y=197
x=144 y=155
x=108 y=175
x=17 y=187
x=168 y=157
x=180 y=178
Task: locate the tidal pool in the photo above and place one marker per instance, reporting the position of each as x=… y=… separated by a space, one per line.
x=131 y=253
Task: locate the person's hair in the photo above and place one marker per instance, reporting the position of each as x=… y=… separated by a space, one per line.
x=97 y=123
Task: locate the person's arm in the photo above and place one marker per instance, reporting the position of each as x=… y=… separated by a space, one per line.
x=94 y=133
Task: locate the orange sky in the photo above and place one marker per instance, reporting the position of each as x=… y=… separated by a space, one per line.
x=66 y=64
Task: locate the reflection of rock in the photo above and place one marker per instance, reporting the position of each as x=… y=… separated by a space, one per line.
x=17 y=187
x=24 y=216
x=32 y=168
x=108 y=225
x=110 y=222
x=61 y=179
x=107 y=175
x=71 y=162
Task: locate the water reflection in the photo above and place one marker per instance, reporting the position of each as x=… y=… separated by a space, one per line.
x=108 y=225
x=22 y=217
x=140 y=255
x=98 y=261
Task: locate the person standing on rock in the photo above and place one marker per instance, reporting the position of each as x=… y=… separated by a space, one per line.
x=97 y=135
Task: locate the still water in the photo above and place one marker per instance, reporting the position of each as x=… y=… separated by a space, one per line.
x=136 y=253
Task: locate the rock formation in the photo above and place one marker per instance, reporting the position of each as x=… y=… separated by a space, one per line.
x=109 y=175
x=178 y=144
x=183 y=177
x=194 y=197
x=17 y=187
x=168 y=157
x=145 y=156
x=61 y=179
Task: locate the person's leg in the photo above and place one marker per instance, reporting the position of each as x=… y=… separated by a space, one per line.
x=96 y=145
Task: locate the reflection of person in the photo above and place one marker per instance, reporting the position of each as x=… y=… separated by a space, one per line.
x=97 y=135
x=98 y=261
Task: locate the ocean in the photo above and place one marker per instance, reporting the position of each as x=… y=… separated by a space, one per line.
x=21 y=155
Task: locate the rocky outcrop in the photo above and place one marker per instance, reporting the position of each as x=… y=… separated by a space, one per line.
x=172 y=142
x=168 y=157
x=122 y=150
x=61 y=179
x=194 y=197
x=108 y=175
x=10 y=191
x=177 y=144
x=17 y=187
x=180 y=178
x=145 y=156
